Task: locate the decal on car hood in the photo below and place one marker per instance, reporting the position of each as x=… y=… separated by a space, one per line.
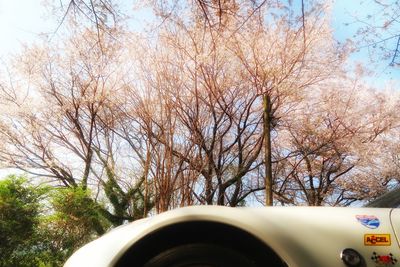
x=377 y=240
x=370 y=221
x=384 y=260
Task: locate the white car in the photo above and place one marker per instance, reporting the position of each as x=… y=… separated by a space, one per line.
x=251 y=237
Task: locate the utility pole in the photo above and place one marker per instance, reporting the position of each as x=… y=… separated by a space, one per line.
x=267 y=149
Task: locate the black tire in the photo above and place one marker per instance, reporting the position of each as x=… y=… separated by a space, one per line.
x=200 y=255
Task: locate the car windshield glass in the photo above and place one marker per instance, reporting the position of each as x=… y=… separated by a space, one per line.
x=388 y=200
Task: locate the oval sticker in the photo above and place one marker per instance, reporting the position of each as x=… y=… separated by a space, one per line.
x=370 y=221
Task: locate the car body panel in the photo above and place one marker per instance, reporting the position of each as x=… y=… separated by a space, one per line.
x=301 y=236
x=395 y=220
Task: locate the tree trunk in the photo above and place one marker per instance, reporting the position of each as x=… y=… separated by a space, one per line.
x=146 y=181
x=267 y=149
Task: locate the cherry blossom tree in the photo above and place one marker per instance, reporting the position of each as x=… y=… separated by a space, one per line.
x=331 y=147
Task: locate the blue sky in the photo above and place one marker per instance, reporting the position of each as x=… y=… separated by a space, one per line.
x=344 y=22
x=21 y=21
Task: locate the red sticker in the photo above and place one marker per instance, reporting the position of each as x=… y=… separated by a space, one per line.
x=384 y=260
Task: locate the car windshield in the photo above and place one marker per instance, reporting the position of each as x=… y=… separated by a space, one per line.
x=388 y=200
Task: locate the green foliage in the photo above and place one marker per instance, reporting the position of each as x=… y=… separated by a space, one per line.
x=127 y=206
x=19 y=218
x=74 y=221
x=43 y=226
x=76 y=215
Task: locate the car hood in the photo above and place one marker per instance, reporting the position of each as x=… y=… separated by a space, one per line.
x=301 y=236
